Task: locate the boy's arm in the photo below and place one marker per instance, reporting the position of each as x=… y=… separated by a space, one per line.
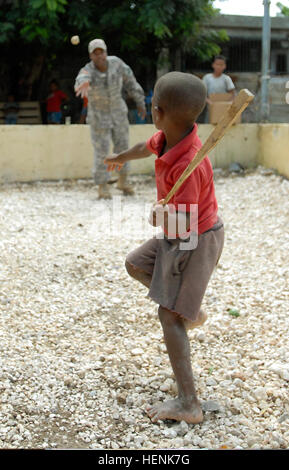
x=134 y=153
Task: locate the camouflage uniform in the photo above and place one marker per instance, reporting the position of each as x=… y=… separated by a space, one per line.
x=107 y=111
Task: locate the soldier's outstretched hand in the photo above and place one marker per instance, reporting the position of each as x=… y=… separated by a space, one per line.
x=82 y=90
x=113 y=162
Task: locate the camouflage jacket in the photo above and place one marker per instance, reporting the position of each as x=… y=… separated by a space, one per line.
x=106 y=106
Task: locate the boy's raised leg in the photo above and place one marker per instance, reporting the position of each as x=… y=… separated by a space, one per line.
x=139 y=274
x=186 y=407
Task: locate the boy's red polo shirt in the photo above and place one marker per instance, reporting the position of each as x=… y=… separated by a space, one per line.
x=198 y=187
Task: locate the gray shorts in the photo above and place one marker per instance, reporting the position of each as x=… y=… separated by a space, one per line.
x=180 y=277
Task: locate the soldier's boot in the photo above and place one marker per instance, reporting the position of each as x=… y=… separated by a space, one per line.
x=127 y=189
x=103 y=191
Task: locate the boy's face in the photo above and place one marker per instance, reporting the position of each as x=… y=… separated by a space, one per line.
x=219 y=65
x=53 y=87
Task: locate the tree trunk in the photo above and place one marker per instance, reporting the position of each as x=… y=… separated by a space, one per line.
x=177 y=60
x=163 y=64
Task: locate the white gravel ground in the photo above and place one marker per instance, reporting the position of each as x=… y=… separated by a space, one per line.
x=81 y=350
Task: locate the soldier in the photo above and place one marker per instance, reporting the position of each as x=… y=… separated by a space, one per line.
x=102 y=81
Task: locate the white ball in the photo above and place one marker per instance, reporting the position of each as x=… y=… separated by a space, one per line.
x=75 y=40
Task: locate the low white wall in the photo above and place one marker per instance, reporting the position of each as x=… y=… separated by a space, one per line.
x=274 y=147
x=52 y=152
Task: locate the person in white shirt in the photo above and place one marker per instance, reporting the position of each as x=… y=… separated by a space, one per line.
x=218 y=82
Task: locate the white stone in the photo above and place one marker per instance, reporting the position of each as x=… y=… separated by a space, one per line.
x=238 y=382
x=252 y=441
x=281 y=369
x=237 y=403
x=211 y=382
x=137 y=351
x=178 y=443
x=183 y=428
x=260 y=393
x=115 y=300
x=201 y=337
x=169 y=433
x=166 y=386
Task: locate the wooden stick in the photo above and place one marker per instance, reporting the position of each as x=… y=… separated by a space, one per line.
x=237 y=107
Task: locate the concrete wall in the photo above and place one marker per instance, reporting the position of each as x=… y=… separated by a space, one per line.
x=226 y=152
x=274 y=147
x=240 y=144
x=29 y=153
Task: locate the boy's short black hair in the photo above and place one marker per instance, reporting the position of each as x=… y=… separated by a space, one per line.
x=55 y=82
x=220 y=57
x=182 y=96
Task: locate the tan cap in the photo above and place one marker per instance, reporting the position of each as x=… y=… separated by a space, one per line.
x=96 y=43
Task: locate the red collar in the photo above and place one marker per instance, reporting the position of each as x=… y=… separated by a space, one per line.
x=180 y=148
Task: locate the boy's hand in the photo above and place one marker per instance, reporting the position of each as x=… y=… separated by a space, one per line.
x=82 y=90
x=156 y=216
x=113 y=162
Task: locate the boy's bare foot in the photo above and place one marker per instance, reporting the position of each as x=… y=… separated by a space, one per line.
x=200 y=320
x=174 y=409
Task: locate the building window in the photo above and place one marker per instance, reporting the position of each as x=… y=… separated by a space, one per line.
x=281 y=63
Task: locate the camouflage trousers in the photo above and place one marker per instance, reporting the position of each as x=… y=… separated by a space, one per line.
x=101 y=141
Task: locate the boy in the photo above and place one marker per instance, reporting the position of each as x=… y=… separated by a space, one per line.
x=218 y=82
x=177 y=278
x=54 y=102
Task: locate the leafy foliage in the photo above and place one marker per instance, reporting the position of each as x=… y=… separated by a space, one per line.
x=283 y=8
x=234 y=312
x=136 y=30
x=151 y=23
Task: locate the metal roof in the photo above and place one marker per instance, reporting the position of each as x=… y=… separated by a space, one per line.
x=241 y=26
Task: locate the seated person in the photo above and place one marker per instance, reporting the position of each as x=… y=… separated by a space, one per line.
x=11 y=109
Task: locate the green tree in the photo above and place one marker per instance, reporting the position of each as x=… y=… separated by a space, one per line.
x=283 y=8
x=175 y=24
x=138 y=30
x=158 y=23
